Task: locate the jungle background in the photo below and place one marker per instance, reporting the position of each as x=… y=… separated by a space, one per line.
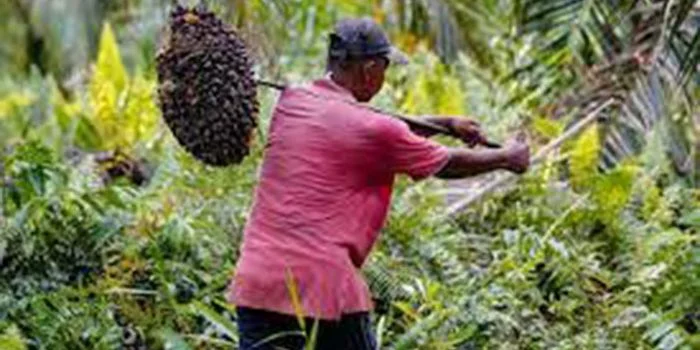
x=112 y=237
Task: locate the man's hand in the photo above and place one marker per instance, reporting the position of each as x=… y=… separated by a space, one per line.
x=517 y=154
x=463 y=128
x=468 y=131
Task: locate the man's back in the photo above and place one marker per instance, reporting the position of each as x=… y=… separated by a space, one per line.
x=323 y=196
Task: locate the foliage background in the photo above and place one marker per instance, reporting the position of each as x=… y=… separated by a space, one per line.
x=112 y=237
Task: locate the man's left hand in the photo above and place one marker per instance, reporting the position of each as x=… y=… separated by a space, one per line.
x=467 y=130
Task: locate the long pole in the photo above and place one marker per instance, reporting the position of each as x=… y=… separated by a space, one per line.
x=425 y=125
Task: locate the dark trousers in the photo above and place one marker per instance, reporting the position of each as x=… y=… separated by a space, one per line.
x=265 y=330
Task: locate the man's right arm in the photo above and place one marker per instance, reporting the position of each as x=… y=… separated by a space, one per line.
x=514 y=157
x=404 y=152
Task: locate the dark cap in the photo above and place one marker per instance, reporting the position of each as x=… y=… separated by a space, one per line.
x=362 y=38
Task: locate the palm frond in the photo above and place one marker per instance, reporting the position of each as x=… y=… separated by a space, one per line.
x=640 y=56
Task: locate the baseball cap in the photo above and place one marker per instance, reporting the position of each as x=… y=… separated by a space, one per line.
x=360 y=38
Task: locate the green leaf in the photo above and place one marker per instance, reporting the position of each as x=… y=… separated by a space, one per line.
x=691 y=219
x=222 y=324
x=87 y=135
x=174 y=341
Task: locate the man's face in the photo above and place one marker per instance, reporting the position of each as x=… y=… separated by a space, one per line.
x=372 y=73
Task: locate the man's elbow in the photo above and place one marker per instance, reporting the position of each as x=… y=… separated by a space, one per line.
x=450 y=171
x=459 y=165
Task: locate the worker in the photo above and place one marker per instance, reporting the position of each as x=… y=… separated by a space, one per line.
x=324 y=192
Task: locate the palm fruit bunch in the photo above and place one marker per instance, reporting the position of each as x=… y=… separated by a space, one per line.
x=206 y=87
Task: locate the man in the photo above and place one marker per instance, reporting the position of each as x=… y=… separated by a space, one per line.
x=324 y=193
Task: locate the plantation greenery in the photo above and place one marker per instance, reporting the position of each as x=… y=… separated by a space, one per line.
x=112 y=237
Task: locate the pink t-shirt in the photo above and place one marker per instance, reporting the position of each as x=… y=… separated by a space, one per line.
x=323 y=196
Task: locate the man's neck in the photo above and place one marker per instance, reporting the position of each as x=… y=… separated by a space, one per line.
x=351 y=83
x=341 y=81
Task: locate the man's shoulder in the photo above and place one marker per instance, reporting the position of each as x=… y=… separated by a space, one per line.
x=365 y=116
x=320 y=97
x=383 y=121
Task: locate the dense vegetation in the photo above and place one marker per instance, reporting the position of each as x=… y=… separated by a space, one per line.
x=112 y=237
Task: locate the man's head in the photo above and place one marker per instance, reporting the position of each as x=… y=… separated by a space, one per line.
x=358 y=55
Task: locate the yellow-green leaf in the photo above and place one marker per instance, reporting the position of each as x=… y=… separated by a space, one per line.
x=547 y=128
x=123 y=111
x=584 y=159
x=109 y=62
x=294 y=295
x=11 y=339
x=612 y=191
x=12 y=102
x=140 y=116
x=103 y=98
x=434 y=92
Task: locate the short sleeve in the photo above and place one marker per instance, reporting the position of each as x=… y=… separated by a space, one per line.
x=410 y=154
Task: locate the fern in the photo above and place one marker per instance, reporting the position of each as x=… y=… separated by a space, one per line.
x=613 y=191
x=584 y=159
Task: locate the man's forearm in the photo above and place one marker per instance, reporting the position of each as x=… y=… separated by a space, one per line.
x=466 y=163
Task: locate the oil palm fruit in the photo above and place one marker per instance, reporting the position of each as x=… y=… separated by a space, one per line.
x=206 y=87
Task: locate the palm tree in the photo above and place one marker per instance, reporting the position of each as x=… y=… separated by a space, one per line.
x=643 y=54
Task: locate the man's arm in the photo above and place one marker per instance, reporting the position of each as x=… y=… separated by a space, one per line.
x=404 y=152
x=514 y=157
